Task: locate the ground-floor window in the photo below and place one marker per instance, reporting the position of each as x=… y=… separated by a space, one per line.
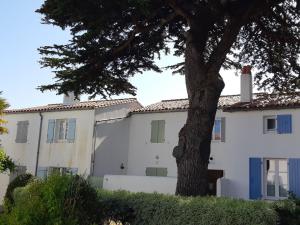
x=44 y=172
x=275 y=178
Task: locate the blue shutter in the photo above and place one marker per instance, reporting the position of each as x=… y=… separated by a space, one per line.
x=284 y=124
x=42 y=172
x=50 y=134
x=71 y=130
x=255 y=178
x=294 y=176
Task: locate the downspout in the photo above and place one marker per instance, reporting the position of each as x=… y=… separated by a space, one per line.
x=39 y=144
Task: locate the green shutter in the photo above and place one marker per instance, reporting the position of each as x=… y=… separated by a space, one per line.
x=150 y=171
x=161 y=131
x=154 y=131
x=161 y=172
x=22 y=131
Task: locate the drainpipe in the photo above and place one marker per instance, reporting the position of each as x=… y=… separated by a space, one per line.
x=39 y=144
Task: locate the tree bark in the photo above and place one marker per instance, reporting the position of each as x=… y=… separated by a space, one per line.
x=204 y=87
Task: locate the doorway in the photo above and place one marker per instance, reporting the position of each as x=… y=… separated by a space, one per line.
x=213 y=176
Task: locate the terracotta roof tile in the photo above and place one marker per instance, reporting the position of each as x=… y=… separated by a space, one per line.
x=230 y=103
x=265 y=101
x=86 y=105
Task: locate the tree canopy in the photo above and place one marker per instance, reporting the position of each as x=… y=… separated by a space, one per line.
x=113 y=40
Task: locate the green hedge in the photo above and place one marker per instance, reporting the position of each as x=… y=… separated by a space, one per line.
x=158 y=209
x=70 y=200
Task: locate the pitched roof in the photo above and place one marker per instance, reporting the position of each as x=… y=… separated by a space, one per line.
x=183 y=104
x=230 y=103
x=86 y=105
x=265 y=101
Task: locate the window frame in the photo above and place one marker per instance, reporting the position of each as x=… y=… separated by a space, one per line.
x=265 y=124
x=57 y=130
x=213 y=136
x=277 y=172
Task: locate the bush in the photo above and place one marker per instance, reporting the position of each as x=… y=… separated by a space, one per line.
x=20 y=181
x=70 y=200
x=158 y=209
x=59 y=200
x=288 y=211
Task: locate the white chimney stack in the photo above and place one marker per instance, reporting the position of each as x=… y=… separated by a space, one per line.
x=70 y=99
x=246 y=84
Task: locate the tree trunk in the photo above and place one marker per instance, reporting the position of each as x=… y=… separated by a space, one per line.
x=204 y=87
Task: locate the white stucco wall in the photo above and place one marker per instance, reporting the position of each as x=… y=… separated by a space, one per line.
x=65 y=154
x=165 y=185
x=23 y=154
x=244 y=139
x=112 y=140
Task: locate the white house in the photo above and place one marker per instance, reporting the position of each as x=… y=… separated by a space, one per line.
x=66 y=137
x=254 y=154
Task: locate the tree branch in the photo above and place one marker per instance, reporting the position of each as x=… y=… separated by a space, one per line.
x=180 y=11
x=139 y=29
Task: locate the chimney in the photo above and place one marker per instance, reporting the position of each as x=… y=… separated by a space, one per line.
x=70 y=99
x=246 y=84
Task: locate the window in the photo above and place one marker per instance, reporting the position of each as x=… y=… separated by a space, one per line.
x=276 y=178
x=270 y=124
x=157 y=131
x=44 y=172
x=156 y=171
x=218 y=133
x=22 y=131
x=61 y=130
x=281 y=124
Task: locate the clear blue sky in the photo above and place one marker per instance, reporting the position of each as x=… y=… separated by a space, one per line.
x=20 y=73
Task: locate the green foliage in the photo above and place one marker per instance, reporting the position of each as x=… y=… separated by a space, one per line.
x=58 y=200
x=158 y=209
x=3 y=106
x=6 y=163
x=288 y=211
x=70 y=200
x=113 y=40
x=20 y=181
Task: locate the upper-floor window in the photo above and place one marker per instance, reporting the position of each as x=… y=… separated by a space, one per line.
x=61 y=130
x=22 y=131
x=157 y=131
x=281 y=124
x=218 y=133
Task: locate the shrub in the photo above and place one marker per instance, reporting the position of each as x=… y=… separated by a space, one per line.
x=19 y=181
x=288 y=211
x=58 y=200
x=158 y=209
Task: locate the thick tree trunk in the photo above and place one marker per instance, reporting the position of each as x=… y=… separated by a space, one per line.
x=204 y=87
